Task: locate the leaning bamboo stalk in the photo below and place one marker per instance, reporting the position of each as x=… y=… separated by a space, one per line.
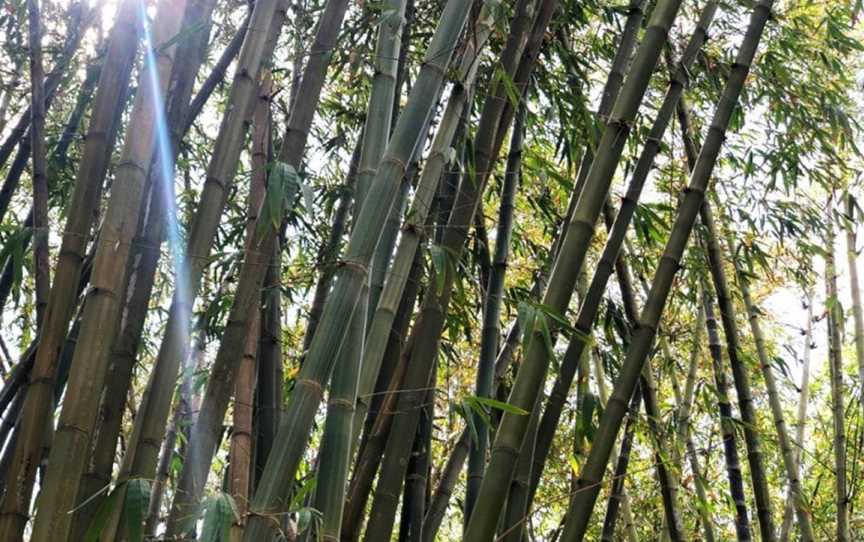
x=567 y=266
x=39 y=168
x=292 y=439
x=204 y=438
x=787 y=450
x=240 y=453
x=336 y=441
x=589 y=307
x=90 y=362
x=413 y=231
x=491 y=327
x=434 y=309
x=835 y=366
x=683 y=438
x=140 y=278
x=113 y=82
x=727 y=429
x=617 y=494
x=78 y=20
x=149 y=428
x=855 y=284
x=801 y=424
x=582 y=503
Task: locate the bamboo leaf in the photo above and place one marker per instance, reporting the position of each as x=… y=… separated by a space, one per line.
x=137 y=499
x=220 y=512
x=99 y=520
x=500 y=405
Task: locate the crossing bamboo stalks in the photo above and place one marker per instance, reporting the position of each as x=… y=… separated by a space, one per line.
x=802 y=508
x=68 y=458
x=294 y=430
x=567 y=266
x=433 y=312
x=589 y=307
x=591 y=476
x=139 y=281
x=113 y=82
x=204 y=437
x=143 y=451
x=413 y=232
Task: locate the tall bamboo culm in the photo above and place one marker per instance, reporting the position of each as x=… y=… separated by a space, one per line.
x=149 y=429
x=293 y=435
x=591 y=476
x=589 y=307
x=567 y=266
x=69 y=456
x=244 y=310
x=107 y=109
x=413 y=231
x=835 y=370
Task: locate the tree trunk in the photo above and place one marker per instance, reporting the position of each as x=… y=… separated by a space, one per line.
x=851 y=226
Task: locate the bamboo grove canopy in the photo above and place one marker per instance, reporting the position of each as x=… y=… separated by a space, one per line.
x=510 y=270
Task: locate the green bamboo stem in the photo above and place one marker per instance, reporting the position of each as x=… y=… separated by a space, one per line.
x=801 y=424
x=113 y=82
x=433 y=313
x=683 y=438
x=204 y=438
x=589 y=307
x=582 y=503
x=414 y=230
x=835 y=366
x=850 y=225
x=491 y=327
x=295 y=427
x=149 y=428
x=787 y=450
x=567 y=266
x=68 y=458
x=139 y=281
x=727 y=428
x=39 y=166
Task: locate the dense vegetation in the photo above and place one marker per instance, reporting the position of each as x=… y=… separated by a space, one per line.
x=431 y=270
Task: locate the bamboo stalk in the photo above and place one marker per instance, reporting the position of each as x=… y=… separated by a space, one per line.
x=582 y=503
x=204 y=438
x=567 y=266
x=801 y=424
x=113 y=82
x=835 y=366
x=294 y=430
x=67 y=462
x=149 y=429
x=590 y=305
x=39 y=168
